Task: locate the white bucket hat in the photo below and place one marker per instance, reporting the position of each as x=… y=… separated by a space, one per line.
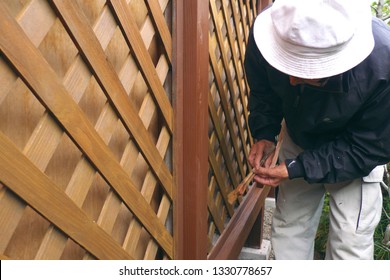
x=313 y=39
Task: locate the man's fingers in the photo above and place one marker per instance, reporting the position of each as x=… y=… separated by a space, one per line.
x=251 y=159
x=258 y=157
x=257 y=153
x=264 y=172
x=267 y=181
x=268 y=161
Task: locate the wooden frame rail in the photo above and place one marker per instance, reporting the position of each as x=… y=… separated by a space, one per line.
x=240 y=226
x=230 y=243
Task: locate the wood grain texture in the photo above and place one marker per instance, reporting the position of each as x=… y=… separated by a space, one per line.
x=233 y=238
x=88 y=44
x=22 y=177
x=3 y=257
x=244 y=18
x=222 y=140
x=134 y=40
x=40 y=78
x=238 y=64
x=161 y=25
x=191 y=85
x=225 y=105
x=231 y=82
x=11 y=211
x=238 y=26
x=229 y=135
x=213 y=209
x=220 y=180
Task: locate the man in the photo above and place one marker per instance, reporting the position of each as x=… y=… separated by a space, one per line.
x=324 y=67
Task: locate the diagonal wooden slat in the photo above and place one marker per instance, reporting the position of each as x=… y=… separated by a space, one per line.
x=133 y=38
x=11 y=210
x=43 y=81
x=220 y=181
x=45 y=19
x=39 y=149
x=161 y=26
x=229 y=78
x=148 y=188
x=54 y=242
x=244 y=19
x=76 y=80
x=249 y=12
x=27 y=181
x=220 y=217
x=88 y=44
x=147 y=110
x=241 y=39
x=254 y=7
x=213 y=208
x=225 y=106
x=150 y=183
x=162 y=213
x=229 y=90
x=239 y=74
x=236 y=23
x=3 y=257
x=210 y=236
x=217 y=126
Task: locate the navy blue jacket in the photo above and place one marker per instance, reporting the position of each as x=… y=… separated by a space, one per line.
x=343 y=127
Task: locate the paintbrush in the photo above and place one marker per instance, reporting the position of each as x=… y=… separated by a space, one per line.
x=242 y=187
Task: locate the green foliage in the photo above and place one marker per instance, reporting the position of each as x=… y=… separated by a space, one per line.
x=322 y=231
x=381 y=9
x=381 y=250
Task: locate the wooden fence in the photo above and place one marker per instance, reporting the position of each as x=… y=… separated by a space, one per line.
x=93 y=129
x=229 y=139
x=86 y=124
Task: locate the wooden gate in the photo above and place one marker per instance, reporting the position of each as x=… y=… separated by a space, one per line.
x=90 y=141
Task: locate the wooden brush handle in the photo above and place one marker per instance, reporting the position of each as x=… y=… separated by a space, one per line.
x=241 y=188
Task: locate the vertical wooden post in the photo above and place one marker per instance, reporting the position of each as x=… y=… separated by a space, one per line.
x=190 y=72
x=261 y=4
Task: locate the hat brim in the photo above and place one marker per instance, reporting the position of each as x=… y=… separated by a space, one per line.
x=313 y=66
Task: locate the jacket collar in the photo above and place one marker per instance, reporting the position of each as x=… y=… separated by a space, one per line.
x=335 y=84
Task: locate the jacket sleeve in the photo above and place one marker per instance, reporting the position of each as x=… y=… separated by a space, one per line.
x=364 y=145
x=265 y=107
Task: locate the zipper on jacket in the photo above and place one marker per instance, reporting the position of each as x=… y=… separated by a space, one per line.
x=298 y=97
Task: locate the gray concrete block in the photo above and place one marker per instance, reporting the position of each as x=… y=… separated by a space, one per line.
x=262 y=253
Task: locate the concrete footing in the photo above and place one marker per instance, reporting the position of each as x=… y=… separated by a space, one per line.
x=265 y=252
x=262 y=253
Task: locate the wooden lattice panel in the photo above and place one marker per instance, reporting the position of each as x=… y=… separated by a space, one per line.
x=86 y=126
x=229 y=139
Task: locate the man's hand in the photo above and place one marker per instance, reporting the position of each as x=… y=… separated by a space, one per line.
x=266 y=175
x=258 y=150
x=271 y=176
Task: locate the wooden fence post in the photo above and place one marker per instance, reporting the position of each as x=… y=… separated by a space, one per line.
x=261 y=4
x=190 y=72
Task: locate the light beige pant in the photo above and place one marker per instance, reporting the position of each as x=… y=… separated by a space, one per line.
x=355 y=211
